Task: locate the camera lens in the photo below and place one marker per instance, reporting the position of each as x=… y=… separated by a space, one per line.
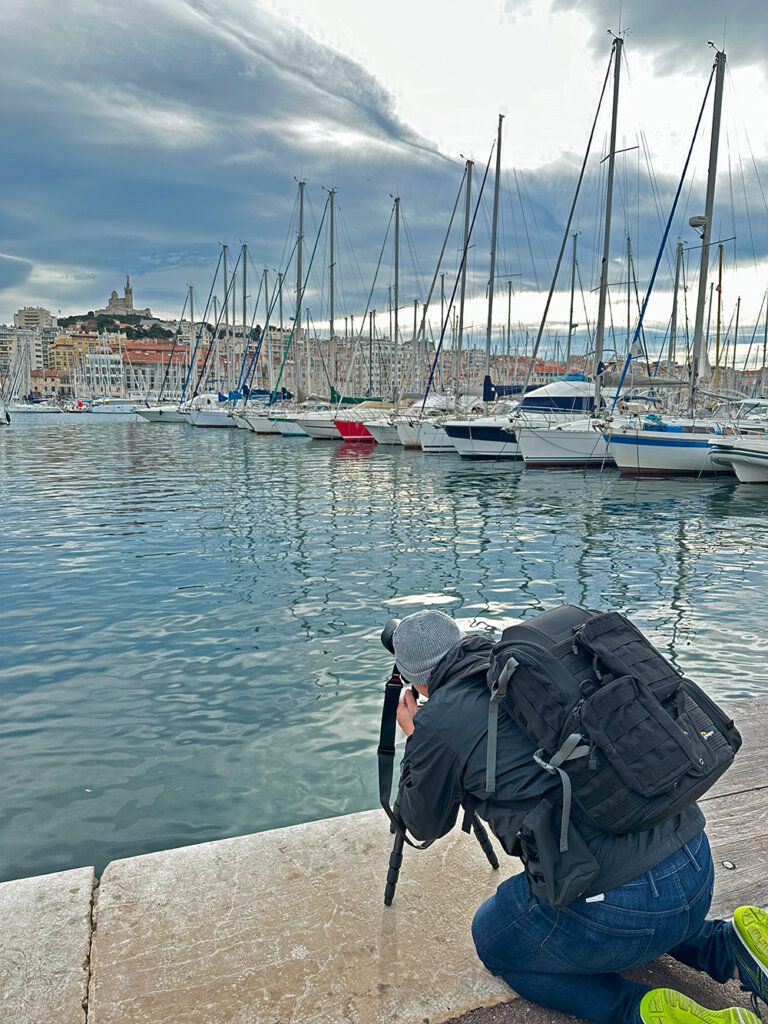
x=387 y=634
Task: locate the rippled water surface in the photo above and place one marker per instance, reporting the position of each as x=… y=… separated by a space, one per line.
x=189 y=619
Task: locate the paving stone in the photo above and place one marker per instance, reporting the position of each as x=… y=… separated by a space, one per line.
x=289 y=927
x=45 y=945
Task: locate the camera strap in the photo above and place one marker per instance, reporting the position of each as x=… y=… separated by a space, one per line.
x=386 y=755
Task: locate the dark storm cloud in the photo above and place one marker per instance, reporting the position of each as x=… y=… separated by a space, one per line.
x=137 y=130
x=676 y=34
x=141 y=135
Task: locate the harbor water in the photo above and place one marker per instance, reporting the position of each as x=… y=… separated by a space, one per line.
x=190 y=619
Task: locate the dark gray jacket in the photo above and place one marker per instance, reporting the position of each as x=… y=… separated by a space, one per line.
x=444 y=762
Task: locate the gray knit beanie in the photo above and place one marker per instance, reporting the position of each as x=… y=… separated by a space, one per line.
x=421 y=641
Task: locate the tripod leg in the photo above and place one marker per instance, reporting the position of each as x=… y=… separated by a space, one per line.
x=395 y=860
x=485 y=843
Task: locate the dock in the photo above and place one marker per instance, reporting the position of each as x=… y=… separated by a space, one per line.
x=289 y=926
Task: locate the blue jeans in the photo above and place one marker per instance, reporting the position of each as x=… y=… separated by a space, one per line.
x=568 y=959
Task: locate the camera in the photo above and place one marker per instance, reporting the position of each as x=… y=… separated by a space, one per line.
x=388 y=634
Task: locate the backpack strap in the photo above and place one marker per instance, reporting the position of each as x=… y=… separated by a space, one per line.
x=498 y=693
x=569 y=751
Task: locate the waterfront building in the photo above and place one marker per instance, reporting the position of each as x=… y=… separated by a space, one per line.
x=32 y=317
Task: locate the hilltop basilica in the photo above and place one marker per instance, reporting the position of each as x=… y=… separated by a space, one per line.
x=120 y=307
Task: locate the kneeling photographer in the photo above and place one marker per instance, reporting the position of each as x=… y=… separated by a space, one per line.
x=590 y=903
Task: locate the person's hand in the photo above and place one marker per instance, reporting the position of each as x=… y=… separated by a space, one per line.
x=406 y=709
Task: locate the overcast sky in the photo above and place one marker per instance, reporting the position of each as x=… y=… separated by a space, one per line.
x=138 y=136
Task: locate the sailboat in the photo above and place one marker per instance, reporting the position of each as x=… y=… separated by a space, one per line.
x=580 y=443
x=655 y=444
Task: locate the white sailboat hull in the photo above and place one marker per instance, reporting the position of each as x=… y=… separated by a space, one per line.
x=661 y=453
x=384 y=432
x=563 y=447
x=435 y=440
x=321 y=427
x=409 y=433
x=260 y=424
x=163 y=414
x=747 y=457
x=211 y=418
x=484 y=438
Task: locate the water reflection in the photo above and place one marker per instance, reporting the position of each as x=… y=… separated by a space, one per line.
x=191 y=618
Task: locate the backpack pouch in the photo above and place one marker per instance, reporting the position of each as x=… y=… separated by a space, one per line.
x=621 y=649
x=559 y=878
x=639 y=738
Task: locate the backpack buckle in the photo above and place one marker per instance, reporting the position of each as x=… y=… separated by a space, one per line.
x=499 y=686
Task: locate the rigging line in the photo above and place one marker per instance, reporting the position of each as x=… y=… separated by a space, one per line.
x=686 y=204
x=289 y=233
x=656 y=192
x=633 y=278
x=173 y=350
x=746 y=209
x=752 y=341
x=319 y=347
x=297 y=318
x=730 y=191
x=421 y=331
x=749 y=144
x=360 y=285
x=456 y=281
x=203 y=325
x=525 y=225
x=343 y=392
x=228 y=288
x=536 y=223
x=660 y=253
x=584 y=306
x=516 y=234
x=568 y=226
x=412 y=250
x=276 y=293
x=247 y=341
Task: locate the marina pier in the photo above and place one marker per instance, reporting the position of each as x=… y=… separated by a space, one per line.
x=289 y=926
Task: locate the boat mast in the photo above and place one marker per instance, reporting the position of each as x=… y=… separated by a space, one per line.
x=226 y=320
x=673 y=326
x=442 y=320
x=396 y=365
x=509 y=329
x=415 y=348
x=719 y=313
x=494 y=228
x=700 y=363
x=299 y=269
x=629 y=293
x=467 y=220
x=571 y=324
x=331 y=270
x=618 y=42
x=282 y=320
x=269 y=334
x=192 y=333
x=245 y=311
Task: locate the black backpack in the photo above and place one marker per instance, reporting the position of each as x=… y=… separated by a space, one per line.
x=633 y=741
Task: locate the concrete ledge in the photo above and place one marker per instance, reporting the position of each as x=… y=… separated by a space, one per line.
x=46 y=939
x=290 y=926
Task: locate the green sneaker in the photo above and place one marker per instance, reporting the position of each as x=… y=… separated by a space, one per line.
x=750 y=947
x=665 y=1006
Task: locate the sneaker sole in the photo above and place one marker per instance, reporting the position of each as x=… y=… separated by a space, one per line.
x=751 y=933
x=657 y=1011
